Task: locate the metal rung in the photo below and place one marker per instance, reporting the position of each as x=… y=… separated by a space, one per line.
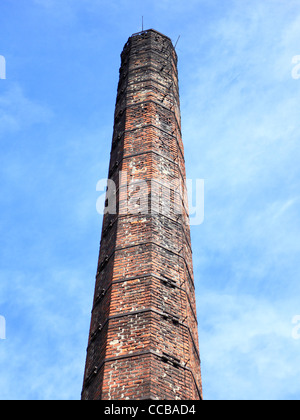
x=105 y=232
x=100 y=296
x=169 y=282
x=103 y=263
x=96 y=332
x=91 y=375
x=167 y=358
x=171 y=318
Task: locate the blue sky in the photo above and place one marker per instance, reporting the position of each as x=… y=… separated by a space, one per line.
x=240 y=124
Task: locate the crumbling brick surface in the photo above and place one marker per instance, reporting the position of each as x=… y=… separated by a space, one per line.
x=143 y=341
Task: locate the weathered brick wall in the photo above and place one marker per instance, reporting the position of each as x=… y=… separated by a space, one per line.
x=143 y=341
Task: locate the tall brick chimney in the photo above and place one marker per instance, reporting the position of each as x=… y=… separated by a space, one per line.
x=143 y=341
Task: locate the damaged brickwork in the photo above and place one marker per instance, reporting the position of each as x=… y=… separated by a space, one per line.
x=143 y=341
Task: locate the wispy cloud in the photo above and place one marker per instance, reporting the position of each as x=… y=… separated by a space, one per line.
x=240 y=119
x=247 y=341
x=39 y=319
x=240 y=114
x=18 y=111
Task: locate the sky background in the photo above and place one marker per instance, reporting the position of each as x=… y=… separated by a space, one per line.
x=240 y=125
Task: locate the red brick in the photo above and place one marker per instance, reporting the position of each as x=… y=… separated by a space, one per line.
x=143 y=341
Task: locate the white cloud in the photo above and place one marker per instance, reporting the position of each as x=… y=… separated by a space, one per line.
x=47 y=332
x=247 y=347
x=19 y=112
x=240 y=129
